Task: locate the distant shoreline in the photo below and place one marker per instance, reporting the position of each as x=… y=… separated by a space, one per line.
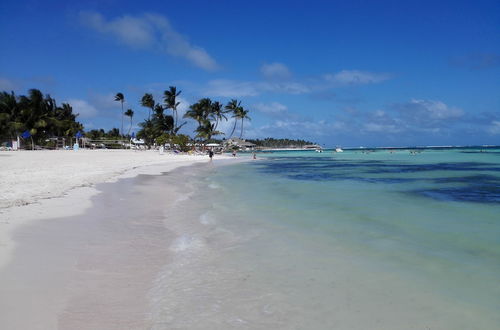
x=380 y=148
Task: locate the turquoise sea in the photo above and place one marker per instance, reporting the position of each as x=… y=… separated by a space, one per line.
x=353 y=240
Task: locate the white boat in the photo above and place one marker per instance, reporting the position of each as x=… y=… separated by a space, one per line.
x=319 y=150
x=338 y=149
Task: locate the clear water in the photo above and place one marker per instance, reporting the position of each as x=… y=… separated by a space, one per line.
x=352 y=240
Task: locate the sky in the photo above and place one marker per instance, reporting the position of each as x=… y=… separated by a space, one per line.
x=338 y=73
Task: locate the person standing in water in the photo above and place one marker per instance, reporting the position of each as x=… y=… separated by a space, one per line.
x=210 y=154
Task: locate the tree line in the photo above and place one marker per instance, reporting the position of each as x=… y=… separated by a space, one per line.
x=162 y=124
x=36 y=117
x=39 y=118
x=279 y=143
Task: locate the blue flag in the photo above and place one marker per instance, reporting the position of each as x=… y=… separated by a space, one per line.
x=26 y=134
x=79 y=134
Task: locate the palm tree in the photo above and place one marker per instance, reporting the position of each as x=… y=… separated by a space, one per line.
x=196 y=112
x=217 y=113
x=119 y=97
x=243 y=114
x=149 y=102
x=170 y=99
x=206 y=130
x=38 y=114
x=233 y=107
x=129 y=113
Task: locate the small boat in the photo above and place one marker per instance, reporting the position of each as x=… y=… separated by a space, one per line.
x=338 y=149
x=319 y=150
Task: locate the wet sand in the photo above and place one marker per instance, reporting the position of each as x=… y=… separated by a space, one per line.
x=87 y=260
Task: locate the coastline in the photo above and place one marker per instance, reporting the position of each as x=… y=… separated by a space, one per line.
x=31 y=190
x=37 y=254
x=205 y=248
x=29 y=176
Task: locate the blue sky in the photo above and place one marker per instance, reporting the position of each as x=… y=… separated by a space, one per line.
x=350 y=73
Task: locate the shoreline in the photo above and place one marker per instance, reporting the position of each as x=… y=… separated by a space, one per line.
x=198 y=248
x=30 y=232
x=31 y=192
x=29 y=176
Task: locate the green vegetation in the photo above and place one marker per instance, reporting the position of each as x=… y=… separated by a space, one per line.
x=279 y=143
x=100 y=134
x=37 y=117
x=129 y=113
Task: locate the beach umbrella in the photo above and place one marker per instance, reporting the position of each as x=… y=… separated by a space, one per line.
x=133 y=135
x=79 y=134
x=26 y=134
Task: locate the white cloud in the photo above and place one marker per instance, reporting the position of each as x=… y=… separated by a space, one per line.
x=133 y=31
x=183 y=107
x=227 y=126
x=425 y=110
x=235 y=88
x=273 y=108
x=494 y=128
x=83 y=108
x=149 y=30
x=297 y=128
x=380 y=128
x=275 y=71
x=106 y=101
x=231 y=88
x=284 y=87
x=355 y=77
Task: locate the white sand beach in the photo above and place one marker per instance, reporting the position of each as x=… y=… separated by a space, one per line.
x=29 y=176
x=59 y=185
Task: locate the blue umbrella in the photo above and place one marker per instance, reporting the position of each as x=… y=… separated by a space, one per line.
x=26 y=134
x=79 y=134
x=133 y=135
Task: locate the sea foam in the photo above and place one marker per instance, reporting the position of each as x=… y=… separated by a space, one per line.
x=185 y=243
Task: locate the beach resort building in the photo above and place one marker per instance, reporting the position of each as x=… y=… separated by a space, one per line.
x=240 y=143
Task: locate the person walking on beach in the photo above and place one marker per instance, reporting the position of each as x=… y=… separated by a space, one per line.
x=210 y=154
x=234 y=153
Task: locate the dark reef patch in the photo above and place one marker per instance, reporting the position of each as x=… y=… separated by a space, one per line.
x=477 y=187
x=472 y=193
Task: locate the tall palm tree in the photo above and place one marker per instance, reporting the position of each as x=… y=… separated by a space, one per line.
x=233 y=107
x=119 y=97
x=199 y=111
x=170 y=100
x=149 y=102
x=217 y=113
x=129 y=113
x=243 y=114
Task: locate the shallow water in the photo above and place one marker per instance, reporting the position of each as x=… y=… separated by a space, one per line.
x=349 y=241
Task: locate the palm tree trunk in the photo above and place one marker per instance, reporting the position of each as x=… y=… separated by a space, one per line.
x=241 y=134
x=234 y=127
x=176 y=122
x=130 y=126
x=122 y=120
